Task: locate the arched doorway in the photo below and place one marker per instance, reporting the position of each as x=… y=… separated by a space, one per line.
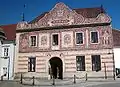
x=56 y=67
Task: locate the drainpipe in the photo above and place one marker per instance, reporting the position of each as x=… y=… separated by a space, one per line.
x=14 y=52
x=113 y=65
x=8 y=67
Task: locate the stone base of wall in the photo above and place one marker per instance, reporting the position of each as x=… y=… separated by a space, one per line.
x=79 y=75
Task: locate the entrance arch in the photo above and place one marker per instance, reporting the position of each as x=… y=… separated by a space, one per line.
x=56 y=67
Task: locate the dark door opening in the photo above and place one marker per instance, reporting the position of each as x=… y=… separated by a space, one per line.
x=56 y=67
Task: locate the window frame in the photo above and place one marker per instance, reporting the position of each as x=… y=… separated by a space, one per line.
x=6 y=51
x=99 y=68
x=76 y=38
x=29 y=64
x=83 y=67
x=91 y=37
x=30 y=41
x=52 y=39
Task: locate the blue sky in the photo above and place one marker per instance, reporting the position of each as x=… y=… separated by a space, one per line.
x=11 y=10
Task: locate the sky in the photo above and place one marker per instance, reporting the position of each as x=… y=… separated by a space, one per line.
x=11 y=10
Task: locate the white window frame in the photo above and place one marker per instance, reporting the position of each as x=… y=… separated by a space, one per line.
x=76 y=35
x=91 y=38
x=52 y=39
x=4 y=53
x=30 y=41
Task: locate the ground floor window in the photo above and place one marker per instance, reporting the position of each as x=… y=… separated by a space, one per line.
x=80 y=63
x=96 y=63
x=31 y=64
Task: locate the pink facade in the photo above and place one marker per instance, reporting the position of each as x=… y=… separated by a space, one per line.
x=66 y=23
x=104 y=32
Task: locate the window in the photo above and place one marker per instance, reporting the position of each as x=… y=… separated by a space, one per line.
x=94 y=37
x=80 y=63
x=55 y=39
x=96 y=63
x=79 y=38
x=33 y=41
x=31 y=64
x=5 y=71
x=6 y=51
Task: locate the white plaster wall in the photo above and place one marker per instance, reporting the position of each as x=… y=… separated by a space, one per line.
x=117 y=57
x=8 y=63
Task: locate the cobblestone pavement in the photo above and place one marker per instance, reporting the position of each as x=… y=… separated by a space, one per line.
x=107 y=83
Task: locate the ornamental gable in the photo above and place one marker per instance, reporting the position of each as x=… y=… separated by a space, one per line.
x=62 y=15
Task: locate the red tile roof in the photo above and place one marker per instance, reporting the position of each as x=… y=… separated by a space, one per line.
x=90 y=12
x=116 y=37
x=85 y=12
x=10 y=31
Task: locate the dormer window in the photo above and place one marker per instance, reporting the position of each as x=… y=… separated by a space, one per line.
x=33 y=41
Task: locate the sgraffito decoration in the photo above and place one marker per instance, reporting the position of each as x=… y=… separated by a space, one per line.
x=62 y=15
x=24 y=42
x=44 y=40
x=67 y=39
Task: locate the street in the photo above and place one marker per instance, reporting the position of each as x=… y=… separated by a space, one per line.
x=84 y=84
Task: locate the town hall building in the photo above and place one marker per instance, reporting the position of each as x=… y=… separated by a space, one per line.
x=65 y=42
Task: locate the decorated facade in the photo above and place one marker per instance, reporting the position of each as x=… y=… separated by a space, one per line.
x=65 y=42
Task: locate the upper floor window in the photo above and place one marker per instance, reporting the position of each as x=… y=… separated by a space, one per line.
x=31 y=64
x=6 y=51
x=79 y=38
x=33 y=40
x=80 y=61
x=94 y=37
x=55 y=39
x=96 y=63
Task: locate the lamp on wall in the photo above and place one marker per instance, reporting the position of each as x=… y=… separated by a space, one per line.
x=48 y=55
x=61 y=54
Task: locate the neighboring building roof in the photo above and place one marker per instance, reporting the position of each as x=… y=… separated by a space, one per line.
x=85 y=12
x=116 y=37
x=10 y=31
x=2 y=34
x=1 y=29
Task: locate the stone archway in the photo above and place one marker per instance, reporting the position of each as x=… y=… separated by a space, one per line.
x=56 y=67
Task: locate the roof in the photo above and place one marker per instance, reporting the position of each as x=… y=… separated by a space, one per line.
x=85 y=12
x=116 y=37
x=90 y=12
x=38 y=17
x=2 y=35
x=1 y=29
x=10 y=31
